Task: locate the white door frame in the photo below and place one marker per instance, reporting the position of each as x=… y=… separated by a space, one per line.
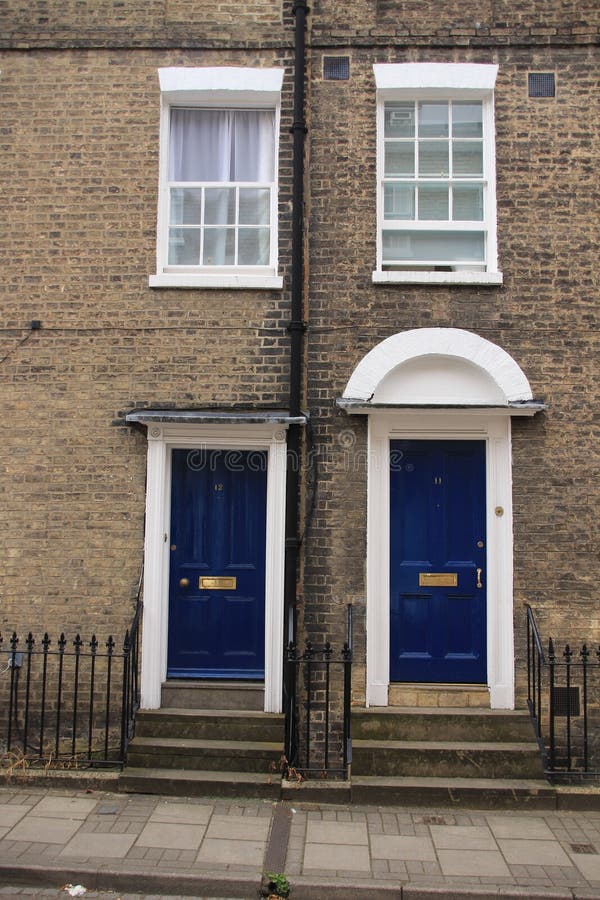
x=492 y=426
x=162 y=439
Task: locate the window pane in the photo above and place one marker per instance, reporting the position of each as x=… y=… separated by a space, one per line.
x=433 y=246
x=399 y=158
x=255 y=206
x=221 y=145
x=219 y=247
x=433 y=158
x=184 y=246
x=433 y=201
x=467 y=202
x=400 y=120
x=253 y=246
x=433 y=120
x=186 y=206
x=399 y=201
x=467 y=120
x=219 y=206
x=467 y=158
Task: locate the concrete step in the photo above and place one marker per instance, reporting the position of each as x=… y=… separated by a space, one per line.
x=425 y=695
x=177 y=782
x=184 y=753
x=473 y=793
x=189 y=694
x=212 y=724
x=441 y=724
x=448 y=759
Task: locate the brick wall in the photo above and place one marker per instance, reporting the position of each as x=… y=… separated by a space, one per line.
x=545 y=316
x=78 y=172
x=79 y=176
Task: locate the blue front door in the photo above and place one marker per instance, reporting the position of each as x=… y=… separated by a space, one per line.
x=217 y=564
x=437 y=561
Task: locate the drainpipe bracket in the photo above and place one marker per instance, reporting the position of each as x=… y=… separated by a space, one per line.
x=297 y=325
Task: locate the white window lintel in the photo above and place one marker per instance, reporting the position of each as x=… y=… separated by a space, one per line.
x=221 y=85
x=445 y=79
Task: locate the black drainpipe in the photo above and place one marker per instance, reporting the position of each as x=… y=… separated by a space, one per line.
x=296 y=328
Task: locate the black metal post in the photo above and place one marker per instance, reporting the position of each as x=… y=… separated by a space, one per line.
x=14 y=641
x=110 y=646
x=93 y=651
x=62 y=642
x=308 y=658
x=327 y=660
x=568 y=655
x=29 y=642
x=126 y=651
x=584 y=661
x=77 y=645
x=45 y=650
x=551 y=710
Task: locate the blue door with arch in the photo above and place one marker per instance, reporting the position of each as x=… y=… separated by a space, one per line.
x=217 y=564
x=437 y=561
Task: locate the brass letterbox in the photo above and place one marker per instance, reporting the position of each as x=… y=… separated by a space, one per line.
x=213 y=583
x=438 y=579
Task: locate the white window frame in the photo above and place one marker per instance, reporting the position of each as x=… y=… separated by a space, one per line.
x=441 y=81
x=223 y=87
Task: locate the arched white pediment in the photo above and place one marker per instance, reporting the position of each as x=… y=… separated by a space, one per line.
x=438 y=367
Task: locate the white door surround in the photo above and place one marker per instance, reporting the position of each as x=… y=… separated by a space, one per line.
x=440 y=384
x=163 y=437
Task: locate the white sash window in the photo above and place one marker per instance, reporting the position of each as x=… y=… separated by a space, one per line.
x=436 y=174
x=218 y=192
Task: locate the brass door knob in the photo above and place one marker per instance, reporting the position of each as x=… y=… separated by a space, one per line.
x=184 y=582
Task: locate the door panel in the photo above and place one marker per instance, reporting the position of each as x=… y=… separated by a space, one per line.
x=218 y=522
x=437 y=525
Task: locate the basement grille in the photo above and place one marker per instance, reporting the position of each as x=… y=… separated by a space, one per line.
x=541 y=84
x=336 y=68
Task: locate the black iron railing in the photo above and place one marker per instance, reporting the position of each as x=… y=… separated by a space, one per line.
x=563 y=696
x=69 y=701
x=318 y=705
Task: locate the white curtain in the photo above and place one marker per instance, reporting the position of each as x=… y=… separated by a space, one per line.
x=221 y=145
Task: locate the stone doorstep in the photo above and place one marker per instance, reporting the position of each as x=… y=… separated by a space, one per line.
x=458 y=696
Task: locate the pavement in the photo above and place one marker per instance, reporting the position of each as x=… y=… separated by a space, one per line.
x=141 y=845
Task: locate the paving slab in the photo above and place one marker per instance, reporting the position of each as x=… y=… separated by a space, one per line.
x=473 y=862
x=403 y=847
x=41 y=830
x=528 y=827
x=534 y=853
x=179 y=813
x=462 y=837
x=242 y=828
x=336 y=858
x=170 y=836
x=232 y=852
x=11 y=813
x=64 y=807
x=108 y=846
x=337 y=833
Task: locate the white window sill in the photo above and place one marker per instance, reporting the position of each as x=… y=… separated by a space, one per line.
x=264 y=282
x=416 y=277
